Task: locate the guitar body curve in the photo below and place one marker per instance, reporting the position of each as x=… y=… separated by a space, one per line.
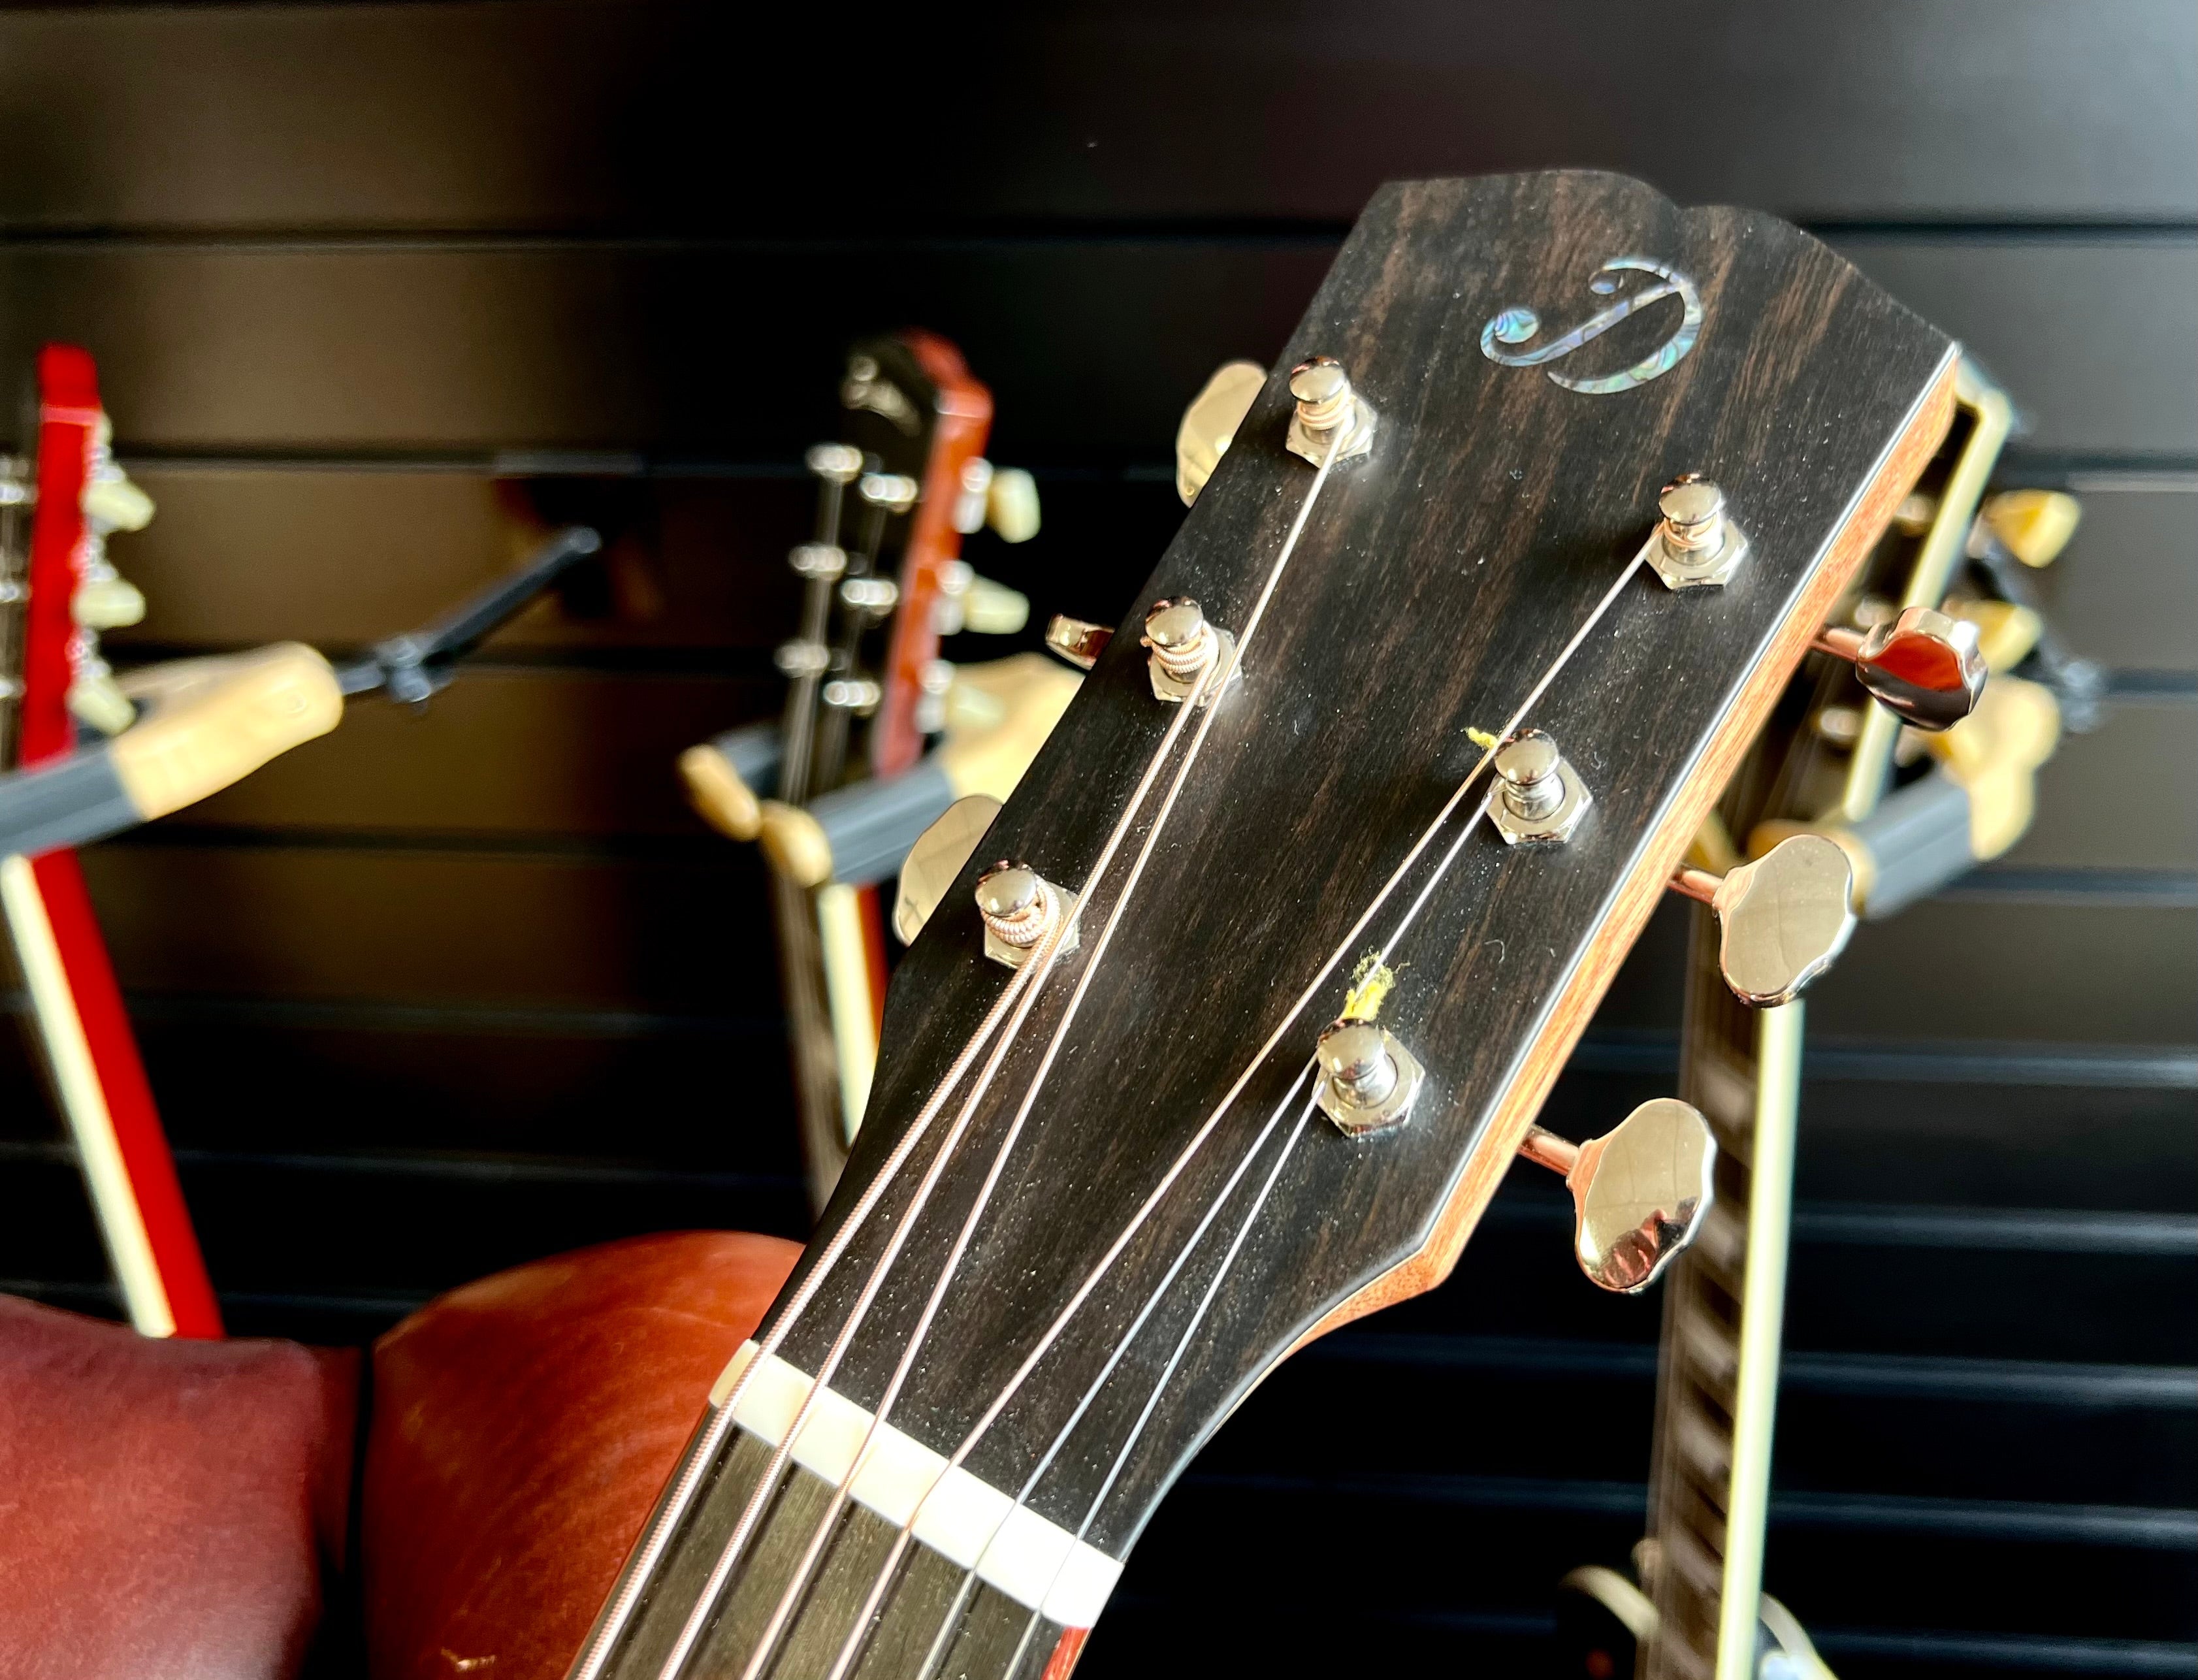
x=523 y=1425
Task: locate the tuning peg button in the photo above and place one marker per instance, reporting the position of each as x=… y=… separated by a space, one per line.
x=107 y=603
x=112 y=503
x=1781 y=920
x=95 y=700
x=1639 y=1192
x=1209 y=424
x=936 y=860
x=1011 y=505
x=1926 y=668
x=1078 y=641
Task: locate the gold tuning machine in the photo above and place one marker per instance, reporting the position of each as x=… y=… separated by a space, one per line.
x=1639 y=1192
x=1782 y=919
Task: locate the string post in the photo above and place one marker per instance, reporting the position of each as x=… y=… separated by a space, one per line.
x=835 y=463
x=1369 y=1081
x=1332 y=419
x=1540 y=800
x=1185 y=650
x=889 y=492
x=1696 y=544
x=1018 y=907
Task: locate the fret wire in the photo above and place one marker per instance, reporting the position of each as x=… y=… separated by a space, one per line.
x=902 y=1540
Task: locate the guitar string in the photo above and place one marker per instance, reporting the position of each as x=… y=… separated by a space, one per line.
x=903 y=1537
x=1228 y=1261
x=1175 y=1359
x=1198 y=1139
x=703 y=1455
x=705 y=1608
x=1025 y=976
x=853 y=1643
x=1214 y=678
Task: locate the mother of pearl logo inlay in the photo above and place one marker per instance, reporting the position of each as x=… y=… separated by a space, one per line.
x=1518 y=324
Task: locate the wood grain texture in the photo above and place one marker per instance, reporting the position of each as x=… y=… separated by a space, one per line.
x=1432 y=586
x=1896 y=473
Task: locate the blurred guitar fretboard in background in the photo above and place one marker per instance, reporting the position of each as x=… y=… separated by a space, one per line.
x=436 y=995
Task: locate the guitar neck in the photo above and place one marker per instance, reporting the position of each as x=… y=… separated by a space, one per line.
x=1724 y=1301
x=932 y=1618
x=1718 y=1369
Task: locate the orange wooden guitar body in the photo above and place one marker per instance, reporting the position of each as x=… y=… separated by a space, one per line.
x=522 y=1428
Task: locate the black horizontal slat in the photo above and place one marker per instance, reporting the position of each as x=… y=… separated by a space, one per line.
x=2016 y=970
x=2035 y=1382
x=2137 y=764
x=556 y=114
x=1091 y=348
x=1938 y=1062
x=2008 y=302
x=676 y=936
x=1241 y=1545
x=2146 y=1527
x=2123 y=889
x=1937 y=1653
x=2125 y=592
x=696 y=574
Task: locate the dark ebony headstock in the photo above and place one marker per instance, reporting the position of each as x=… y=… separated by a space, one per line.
x=1173 y=1215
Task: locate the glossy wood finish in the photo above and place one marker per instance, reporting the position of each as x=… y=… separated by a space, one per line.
x=1433 y=586
x=522 y=1428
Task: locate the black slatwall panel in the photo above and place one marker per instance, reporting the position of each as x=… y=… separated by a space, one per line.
x=441 y=994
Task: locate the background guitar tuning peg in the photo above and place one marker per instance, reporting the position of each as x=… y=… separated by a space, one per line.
x=114 y=504
x=1782 y=919
x=1078 y=641
x=95 y=700
x=2006 y=631
x=2034 y=524
x=107 y=603
x=1639 y=1192
x=977 y=605
x=1011 y=505
x=1209 y=424
x=1004 y=498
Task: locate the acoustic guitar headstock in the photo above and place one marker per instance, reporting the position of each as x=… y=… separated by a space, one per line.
x=1112 y=1173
